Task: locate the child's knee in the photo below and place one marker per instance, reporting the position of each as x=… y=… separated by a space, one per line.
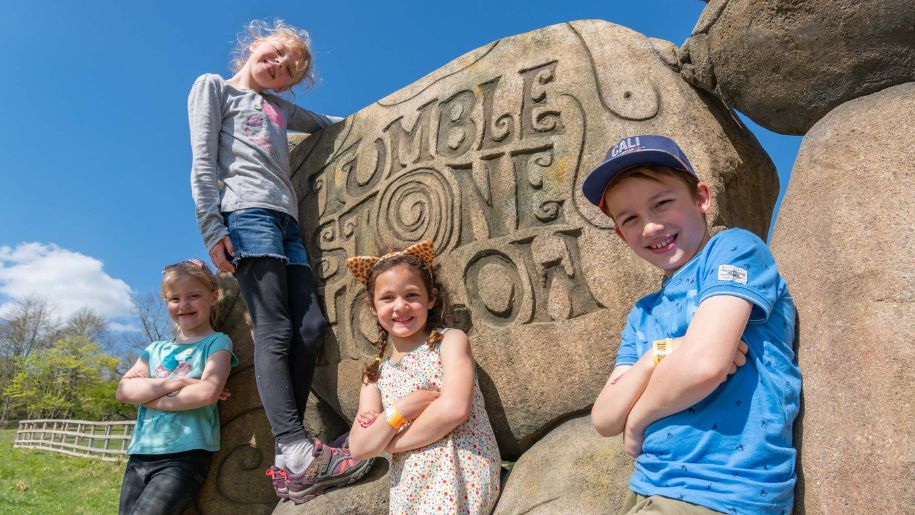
x=312 y=332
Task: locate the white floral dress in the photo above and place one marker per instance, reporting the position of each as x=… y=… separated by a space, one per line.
x=457 y=474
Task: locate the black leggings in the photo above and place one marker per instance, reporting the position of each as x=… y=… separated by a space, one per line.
x=288 y=333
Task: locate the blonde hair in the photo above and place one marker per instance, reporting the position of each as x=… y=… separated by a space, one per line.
x=195 y=269
x=293 y=38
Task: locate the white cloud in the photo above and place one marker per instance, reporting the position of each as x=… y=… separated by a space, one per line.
x=68 y=280
x=119 y=327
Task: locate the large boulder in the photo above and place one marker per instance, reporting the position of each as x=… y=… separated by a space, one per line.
x=237 y=483
x=571 y=470
x=786 y=63
x=485 y=156
x=843 y=241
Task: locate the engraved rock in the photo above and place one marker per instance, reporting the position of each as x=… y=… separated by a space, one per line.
x=571 y=470
x=785 y=64
x=485 y=156
x=843 y=241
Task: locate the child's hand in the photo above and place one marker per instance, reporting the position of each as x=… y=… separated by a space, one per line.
x=219 y=252
x=412 y=404
x=224 y=394
x=366 y=418
x=740 y=357
x=632 y=441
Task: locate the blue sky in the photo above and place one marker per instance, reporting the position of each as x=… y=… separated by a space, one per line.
x=94 y=157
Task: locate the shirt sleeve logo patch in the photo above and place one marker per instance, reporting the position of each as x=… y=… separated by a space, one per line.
x=732 y=273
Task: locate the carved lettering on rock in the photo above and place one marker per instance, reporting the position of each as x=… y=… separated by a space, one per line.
x=485 y=173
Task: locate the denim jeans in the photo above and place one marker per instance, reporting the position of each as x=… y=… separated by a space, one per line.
x=285 y=312
x=163 y=483
x=259 y=232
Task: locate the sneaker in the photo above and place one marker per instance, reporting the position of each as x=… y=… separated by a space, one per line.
x=341 y=441
x=332 y=468
x=278 y=476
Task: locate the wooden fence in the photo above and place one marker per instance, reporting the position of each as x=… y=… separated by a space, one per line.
x=99 y=440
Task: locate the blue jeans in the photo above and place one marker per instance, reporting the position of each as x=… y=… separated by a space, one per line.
x=275 y=280
x=155 y=484
x=258 y=232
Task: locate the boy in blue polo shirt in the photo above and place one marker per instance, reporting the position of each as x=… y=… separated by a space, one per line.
x=706 y=385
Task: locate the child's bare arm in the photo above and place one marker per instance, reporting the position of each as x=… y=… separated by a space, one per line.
x=368 y=437
x=136 y=387
x=371 y=431
x=623 y=389
x=689 y=375
x=201 y=393
x=455 y=403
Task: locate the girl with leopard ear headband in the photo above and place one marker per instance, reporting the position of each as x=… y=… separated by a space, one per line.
x=423 y=404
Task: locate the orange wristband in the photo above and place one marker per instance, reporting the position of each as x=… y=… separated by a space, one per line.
x=395 y=419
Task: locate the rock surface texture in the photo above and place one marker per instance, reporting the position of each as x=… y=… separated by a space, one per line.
x=571 y=470
x=843 y=241
x=485 y=156
x=786 y=63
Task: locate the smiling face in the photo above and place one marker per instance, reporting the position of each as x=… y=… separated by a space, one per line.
x=189 y=304
x=274 y=65
x=658 y=216
x=401 y=303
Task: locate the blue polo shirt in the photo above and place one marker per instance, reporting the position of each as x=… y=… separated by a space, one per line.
x=731 y=452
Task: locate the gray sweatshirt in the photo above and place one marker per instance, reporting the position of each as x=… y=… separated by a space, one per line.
x=240 y=152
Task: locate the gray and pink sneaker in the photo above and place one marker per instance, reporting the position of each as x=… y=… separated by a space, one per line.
x=278 y=476
x=332 y=467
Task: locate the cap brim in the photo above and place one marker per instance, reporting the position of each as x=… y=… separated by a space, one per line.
x=596 y=182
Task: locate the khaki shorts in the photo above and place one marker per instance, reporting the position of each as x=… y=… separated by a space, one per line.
x=636 y=503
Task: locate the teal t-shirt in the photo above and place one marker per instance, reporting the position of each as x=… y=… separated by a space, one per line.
x=164 y=432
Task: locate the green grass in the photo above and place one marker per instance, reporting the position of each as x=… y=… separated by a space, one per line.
x=43 y=482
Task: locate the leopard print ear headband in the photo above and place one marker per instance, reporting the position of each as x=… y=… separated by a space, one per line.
x=361 y=266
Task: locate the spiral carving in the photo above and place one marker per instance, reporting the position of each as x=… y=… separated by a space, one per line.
x=327 y=267
x=236 y=481
x=328 y=233
x=417 y=205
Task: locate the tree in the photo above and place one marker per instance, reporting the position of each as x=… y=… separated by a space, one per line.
x=87 y=324
x=28 y=325
x=150 y=311
x=73 y=377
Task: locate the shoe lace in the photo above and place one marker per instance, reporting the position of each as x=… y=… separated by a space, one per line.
x=276 y=475
x=339 y=451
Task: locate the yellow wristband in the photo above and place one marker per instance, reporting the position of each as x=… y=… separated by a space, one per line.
x=395 y=419
x=660 y=349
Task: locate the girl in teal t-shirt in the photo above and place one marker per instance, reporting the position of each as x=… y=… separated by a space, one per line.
x=176 y=384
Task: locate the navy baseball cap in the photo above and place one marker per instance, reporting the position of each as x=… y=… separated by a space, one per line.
x=630 y=152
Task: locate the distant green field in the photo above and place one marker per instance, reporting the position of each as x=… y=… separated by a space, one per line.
x=43 y=482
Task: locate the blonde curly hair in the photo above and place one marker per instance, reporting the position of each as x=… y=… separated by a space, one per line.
x=293 y=38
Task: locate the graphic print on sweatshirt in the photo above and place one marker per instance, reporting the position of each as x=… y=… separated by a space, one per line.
x=256 y=125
